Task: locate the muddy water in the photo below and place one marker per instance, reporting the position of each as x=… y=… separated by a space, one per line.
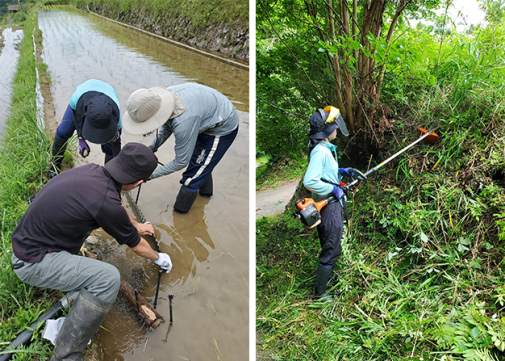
x=9 y=55
x=209 y=245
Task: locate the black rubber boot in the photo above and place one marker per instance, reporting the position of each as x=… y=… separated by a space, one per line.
x=107 y=158
x=206 y=190
x=185 y=200
x=79 y=327
x=58 y=152
x=323 y=275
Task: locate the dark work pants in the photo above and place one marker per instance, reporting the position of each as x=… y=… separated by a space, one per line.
x=209 y=150
x=330 y=233
x=67 y=127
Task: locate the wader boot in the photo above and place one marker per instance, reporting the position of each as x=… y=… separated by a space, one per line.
x=206 y=190
x=323 y=275
x=185 y=200
x=58 y=152
x=107 y=158
x=79 y=327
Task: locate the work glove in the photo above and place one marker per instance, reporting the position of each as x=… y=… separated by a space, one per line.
x=164 y=261
x=337 y=192
x=83 y=148
x=346 y=172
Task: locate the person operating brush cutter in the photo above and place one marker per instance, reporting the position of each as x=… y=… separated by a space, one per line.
x=50 y=234
x=204 y=123
x=323 y=178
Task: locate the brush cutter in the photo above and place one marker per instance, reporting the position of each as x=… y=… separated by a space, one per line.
x=309 y=211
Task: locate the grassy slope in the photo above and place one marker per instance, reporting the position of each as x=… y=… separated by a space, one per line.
x=423 y=271
x=198 y=12
x=23 y=163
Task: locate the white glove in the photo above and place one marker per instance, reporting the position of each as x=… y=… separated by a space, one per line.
x=164 y=261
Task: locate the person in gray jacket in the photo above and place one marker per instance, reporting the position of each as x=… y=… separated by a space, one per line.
x=204 y=123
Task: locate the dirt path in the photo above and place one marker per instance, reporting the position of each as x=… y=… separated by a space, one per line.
x=274 y=201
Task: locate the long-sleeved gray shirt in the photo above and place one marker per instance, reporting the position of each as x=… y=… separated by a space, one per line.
x=206 y=111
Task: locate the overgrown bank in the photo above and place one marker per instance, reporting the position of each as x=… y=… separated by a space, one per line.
x=423 y=267
x=23 y=163
x=217 y=25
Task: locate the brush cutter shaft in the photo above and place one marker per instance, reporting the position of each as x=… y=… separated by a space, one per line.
x=353 y=183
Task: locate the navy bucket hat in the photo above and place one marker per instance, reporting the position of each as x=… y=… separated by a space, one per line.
x=100 y=123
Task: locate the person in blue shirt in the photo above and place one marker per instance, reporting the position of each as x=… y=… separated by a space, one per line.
x=323 y=179
x=93 y=111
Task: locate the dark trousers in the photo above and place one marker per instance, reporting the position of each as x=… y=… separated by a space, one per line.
x=67 y=128
x=209 y=150
x=330 y=233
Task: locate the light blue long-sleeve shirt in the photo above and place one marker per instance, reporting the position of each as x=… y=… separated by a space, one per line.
x=97 y=86
x=322 y=171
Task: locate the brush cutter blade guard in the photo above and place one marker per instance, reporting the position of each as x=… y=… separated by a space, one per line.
x=430 y=139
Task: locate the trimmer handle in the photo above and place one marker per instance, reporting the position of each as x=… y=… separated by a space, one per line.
x=361 y=176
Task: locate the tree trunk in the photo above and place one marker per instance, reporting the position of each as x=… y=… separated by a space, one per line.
x=346 y=30
x=382 y=70
x=336 y=64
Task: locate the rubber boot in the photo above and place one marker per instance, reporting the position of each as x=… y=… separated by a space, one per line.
x=206 y=190
x=323 y=275
x=185 y=200
x=58 y=152
x=107 y=158
x=79 y=327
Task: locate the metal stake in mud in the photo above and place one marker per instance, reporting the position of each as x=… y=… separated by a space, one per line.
x=137 y=299
x=138 y=194
x=171 y=297
x=158 y=288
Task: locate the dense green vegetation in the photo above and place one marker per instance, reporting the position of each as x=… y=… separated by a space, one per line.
x=198 y=12
x=422 y=271
x=23 y=159
x=14 y=17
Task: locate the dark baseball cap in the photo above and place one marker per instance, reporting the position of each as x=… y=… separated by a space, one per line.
x=100 y=122
x=133 y=163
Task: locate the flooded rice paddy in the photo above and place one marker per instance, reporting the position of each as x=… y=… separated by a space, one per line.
x=209 y=245
x=10 y=40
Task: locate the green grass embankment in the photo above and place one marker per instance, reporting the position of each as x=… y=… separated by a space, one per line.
x=23 y=167
x=422 y=271
x=199 y=13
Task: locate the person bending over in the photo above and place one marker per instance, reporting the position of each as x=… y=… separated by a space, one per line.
x=204 y=123
x=47 y=240
x=93 y=111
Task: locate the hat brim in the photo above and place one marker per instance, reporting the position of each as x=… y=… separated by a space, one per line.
x=157 y=120
x=118 y=174
x=133 y=163
x=99 y=136
x=326 y=133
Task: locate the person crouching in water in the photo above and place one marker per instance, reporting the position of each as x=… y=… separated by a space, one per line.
x=323 y=179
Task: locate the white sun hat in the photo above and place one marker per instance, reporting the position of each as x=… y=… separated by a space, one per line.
x=149 y=109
